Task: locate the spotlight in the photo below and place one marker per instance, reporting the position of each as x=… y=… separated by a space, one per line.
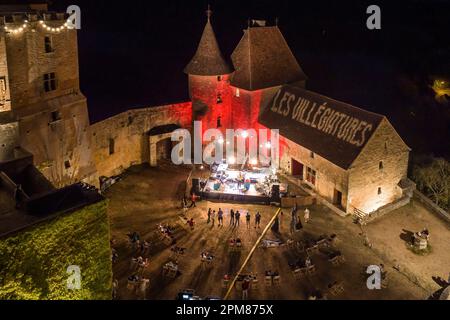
x=245 y=134
x=268 y=145
x=231 y=160
x=220 y=140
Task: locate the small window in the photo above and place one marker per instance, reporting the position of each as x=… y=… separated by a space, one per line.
x=111 y=146
x=48 y=43
x=219 y=78
x=379 y=190
x=49 y=82
x=238 y=93
x=219 y=98
x=380 y=165
x=67 y=164
x=55 y=116
x=385 y=146
x=311 y=155
x=219 y=121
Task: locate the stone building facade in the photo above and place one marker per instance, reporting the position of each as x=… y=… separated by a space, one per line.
x=42 y=91
x=352 y=158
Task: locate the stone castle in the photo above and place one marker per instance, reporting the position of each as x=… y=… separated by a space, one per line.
x=352 y=159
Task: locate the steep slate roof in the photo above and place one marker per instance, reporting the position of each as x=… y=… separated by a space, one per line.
x=208 y=60
x=309 y=128
x=263 y=59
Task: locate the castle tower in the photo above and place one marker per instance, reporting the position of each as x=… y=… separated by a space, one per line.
x=39 y=84
x=209 y=76
x=263 y=62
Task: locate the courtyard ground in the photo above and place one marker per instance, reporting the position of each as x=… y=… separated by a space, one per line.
x=148 y=196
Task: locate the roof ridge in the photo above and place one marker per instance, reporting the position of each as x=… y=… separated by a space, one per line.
x=338 y=101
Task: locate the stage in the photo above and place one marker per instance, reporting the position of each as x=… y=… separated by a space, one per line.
x=253 y=185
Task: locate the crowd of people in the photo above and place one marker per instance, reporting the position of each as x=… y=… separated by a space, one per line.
x=234 y=218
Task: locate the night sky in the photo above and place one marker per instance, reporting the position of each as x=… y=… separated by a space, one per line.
x=132 y=54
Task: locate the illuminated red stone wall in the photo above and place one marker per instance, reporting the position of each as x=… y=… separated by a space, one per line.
x=245 y=107
x=210 y=97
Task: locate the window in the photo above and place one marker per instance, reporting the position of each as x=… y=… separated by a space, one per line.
x=311 y=155
x=67 y=164
x=111 y=146
x=55 y=116
x=48 y=43
x=219 y=98
x=238 y=93
x=219 y=120
x=379 y=190
x=380 y=165
x=311 y=175
x=219 y=78
x=49 y=82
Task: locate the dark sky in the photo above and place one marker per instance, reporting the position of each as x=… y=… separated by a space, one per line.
x=132 y=53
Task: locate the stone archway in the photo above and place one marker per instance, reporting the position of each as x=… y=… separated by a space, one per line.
x=160 y=143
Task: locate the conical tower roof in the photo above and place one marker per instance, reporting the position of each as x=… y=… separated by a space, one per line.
x=208 y=60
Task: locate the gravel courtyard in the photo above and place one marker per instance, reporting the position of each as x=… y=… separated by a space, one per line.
x=149 y=196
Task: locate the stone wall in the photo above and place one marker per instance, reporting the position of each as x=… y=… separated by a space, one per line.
x=5 y=98
x=53 y=125
x=433 y=207
x=367 y=175
x=9 y=134
x=61 y=148
x=328 y=176
x=128 y=131
x=28 y=62
x=210 y=96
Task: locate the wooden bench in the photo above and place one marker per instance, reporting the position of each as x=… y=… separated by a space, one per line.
x=312 y=249
x=311 y=270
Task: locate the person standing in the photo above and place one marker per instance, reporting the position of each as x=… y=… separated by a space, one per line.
x=213 y=217
x=294 y=219
x=143 y=287
x=257 y=220
x=236 y=218
x=231 y=217
x=247 y=219
x=220 y=217
x=193 y=199
x=209 y=215
x=245 y=287
x=306 y=215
